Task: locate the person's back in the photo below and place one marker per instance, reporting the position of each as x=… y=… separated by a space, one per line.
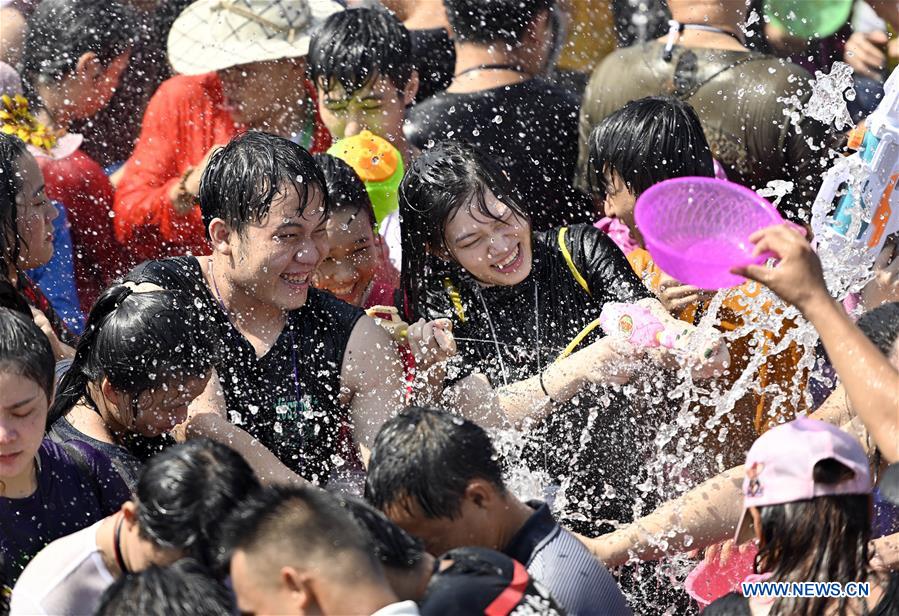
x=497 y=103
x=741 y=98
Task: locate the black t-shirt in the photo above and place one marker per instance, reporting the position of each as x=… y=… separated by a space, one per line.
x=599 y=440
x=288 y=398
x=735 y=604
x=531 y=131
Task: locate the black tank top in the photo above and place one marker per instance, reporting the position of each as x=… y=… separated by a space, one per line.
x=288 y=398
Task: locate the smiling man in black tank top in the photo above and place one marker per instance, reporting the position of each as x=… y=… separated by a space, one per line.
x=298 y=370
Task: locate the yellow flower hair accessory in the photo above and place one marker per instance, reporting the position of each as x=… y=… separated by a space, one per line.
x=15 y=119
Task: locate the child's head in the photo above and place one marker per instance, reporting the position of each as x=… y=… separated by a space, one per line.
x=361 y=63
x=354 y=249
x=807 y=497
x=645 y=142
x=457 y=205
x=26 y=215
x=141 y=360
x=26 y=388
x=78 y=49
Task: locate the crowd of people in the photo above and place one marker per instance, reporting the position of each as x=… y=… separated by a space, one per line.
x=299 y=306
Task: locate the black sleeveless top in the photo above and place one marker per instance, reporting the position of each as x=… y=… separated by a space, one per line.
x=288 y=398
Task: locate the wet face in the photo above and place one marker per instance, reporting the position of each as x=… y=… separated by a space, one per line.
x=159 y=409
x=620 y=203
x=274 y=259
x=495 y=249
x=377 y=107
x=257 y=596
x=23 y=415
x=256 y=93
x=35 y=215
x=439 y=534
x=352 y=259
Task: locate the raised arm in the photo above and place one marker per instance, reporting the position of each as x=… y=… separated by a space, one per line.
x=871 y=382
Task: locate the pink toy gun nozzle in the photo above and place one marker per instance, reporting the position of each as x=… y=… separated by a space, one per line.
x=637 y=325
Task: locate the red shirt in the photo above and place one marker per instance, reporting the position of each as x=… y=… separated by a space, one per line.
x=80 y=184
x=184 y=119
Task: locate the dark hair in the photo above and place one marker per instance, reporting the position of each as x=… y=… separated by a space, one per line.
x=25 y=350
x=394 y=547
x=11 y=148
x=823 y=539
x=439 y=182
x=485 y=21
x=61 y=31
x=302 y=523
x=136 y=341
x=242 y=178
x=647 y=141
x=355 y=46
x=185 y=588
x=183 y=492
x=881 y=326
x=429 y=455
x=345 y=189
x=12 y=299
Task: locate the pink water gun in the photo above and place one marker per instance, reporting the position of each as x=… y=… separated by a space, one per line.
x=638 y=326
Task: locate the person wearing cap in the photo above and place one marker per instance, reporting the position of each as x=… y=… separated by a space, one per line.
x=242 y=67
x=807 y=502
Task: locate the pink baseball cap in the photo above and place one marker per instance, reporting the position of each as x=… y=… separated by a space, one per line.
x=780 y=467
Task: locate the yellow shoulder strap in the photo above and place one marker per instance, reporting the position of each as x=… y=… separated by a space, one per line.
x=453 y=293
x=567 y=254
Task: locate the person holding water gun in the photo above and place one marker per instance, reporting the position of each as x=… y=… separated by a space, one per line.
x=645 y=142
x=524 y=307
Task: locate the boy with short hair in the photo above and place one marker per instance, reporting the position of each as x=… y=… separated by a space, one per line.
x=361 y=63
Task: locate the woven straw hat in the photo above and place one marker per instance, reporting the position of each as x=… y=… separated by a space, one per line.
x=212 y=35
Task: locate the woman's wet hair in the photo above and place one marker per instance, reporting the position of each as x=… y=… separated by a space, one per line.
x=646 y=142
x=443 y=179
x=25 y=350
x=346 y=190
x=394 y=547
x=185 y=588
x=823 y=539
x=61 y=31
x=11 y=148
x=137 y=341
x=183 y=492
x=243 y=178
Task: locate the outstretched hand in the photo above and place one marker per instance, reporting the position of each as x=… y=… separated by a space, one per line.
x=797 y=278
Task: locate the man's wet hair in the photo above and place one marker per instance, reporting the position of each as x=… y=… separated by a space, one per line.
x=881 y=326
x=429 y=456
x=646 y=142
x=244 y=177
x=346 y=190
x=394 y=547
x=185 y=588
x=486 y=21
x=303 y=525
x=353 y=47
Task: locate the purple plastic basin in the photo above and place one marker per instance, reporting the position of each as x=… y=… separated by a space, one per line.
x=696 y=228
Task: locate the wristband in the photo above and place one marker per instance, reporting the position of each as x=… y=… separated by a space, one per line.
x=543 y=387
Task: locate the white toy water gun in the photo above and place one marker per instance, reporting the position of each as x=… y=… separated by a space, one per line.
x=869 y=211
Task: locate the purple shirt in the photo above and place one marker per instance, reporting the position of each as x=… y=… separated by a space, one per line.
x=66 y=500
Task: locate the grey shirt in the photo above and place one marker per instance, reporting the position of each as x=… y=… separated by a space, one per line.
x=555 y=558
